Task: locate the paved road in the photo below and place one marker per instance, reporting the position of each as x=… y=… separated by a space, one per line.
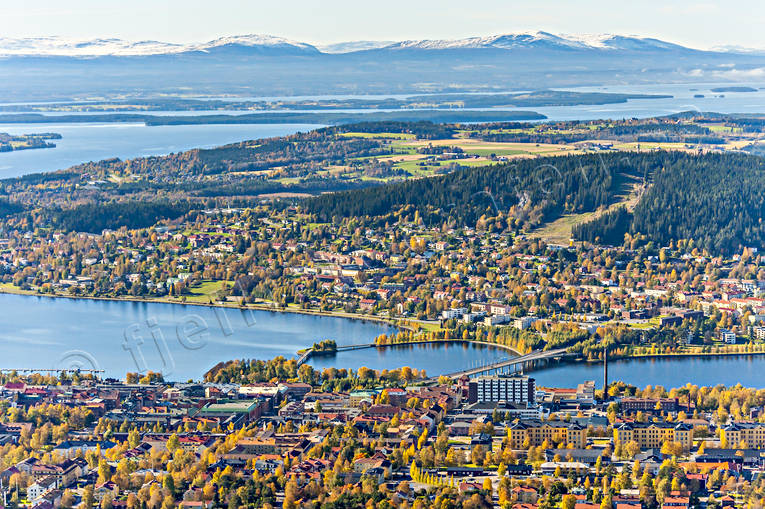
x=529 y=357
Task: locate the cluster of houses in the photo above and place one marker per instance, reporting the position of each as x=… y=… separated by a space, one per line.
x=569 y=425
x=480 y=286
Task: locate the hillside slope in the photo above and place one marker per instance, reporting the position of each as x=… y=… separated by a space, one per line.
x=718 y=200
x=529 y=192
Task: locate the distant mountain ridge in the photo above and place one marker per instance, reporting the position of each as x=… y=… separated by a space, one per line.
x=543 y=40
x=53 y=68
x=351 y=46
x=59 y=46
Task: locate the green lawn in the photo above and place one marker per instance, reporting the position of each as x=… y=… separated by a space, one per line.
x=11 y=288
x=205 y=291
x=495 y=151
x=394 y=136
x=559 y=231
x=646 y=325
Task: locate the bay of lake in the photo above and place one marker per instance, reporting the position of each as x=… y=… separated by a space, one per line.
x=93 y=142
x=184 y=341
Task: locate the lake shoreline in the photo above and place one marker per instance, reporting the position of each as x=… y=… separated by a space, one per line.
x=328 y=117
x=75 y=331
x=371 y=319
x=636 y=358
x=254 y=307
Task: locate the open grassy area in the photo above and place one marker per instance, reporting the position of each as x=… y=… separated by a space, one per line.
x=497 y=152
x=406 y=156
x=475 y=162
x=11 y=288
x=644 y=145
x=429 y=326
x=642 y=325
x=206 y=291
x=559 y=231
x=393 y=136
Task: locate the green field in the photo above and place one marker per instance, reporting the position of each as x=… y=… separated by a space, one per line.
x=205 y=291
x=392 y=136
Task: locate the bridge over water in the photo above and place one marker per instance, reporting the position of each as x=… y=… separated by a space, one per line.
x=509 y=365
x=504 y=366
x=309 y=353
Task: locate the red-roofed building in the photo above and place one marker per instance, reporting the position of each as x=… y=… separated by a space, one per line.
x=525 y=494
x=467 y=487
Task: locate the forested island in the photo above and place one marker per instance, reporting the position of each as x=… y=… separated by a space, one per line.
x=434 y=101
x=734 y=89
x=11 y=142
x=316 y=118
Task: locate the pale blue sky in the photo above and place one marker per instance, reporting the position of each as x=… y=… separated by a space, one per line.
x=701 y=24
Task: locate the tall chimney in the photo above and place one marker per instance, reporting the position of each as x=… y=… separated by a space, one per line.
x=605 y=374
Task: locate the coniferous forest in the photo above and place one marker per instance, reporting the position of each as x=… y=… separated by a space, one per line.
x=93 y=217
x=718 y=200
x=713 y=198
x=608 y=228
x=532 y=192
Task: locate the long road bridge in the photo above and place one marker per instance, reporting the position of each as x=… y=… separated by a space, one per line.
x=505 y=366
x=309 y=353
x=509 y=365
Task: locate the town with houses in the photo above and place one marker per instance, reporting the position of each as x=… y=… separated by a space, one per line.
x=280 y=434
x=475 y=281
x=261 y=433
x=74 y=440
x=467 y=255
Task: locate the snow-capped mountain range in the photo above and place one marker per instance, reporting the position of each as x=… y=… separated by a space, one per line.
x=352 y=46
x=543 y=40
x=58 y=46
x=250 y=65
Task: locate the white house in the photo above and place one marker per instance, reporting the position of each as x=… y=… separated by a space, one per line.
x=448 y=314
x=727 y=336
x=42 y=487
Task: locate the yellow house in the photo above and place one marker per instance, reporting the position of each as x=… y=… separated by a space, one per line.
x=539 y=432
x=654 y=434
x=752 y=434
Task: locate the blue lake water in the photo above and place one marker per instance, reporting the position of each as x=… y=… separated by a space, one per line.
x=435 y=359
x=94 y=142
x=183 y=342
x=683 y=99
x=90 y=142
x=667 y=372
x=122 y=336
